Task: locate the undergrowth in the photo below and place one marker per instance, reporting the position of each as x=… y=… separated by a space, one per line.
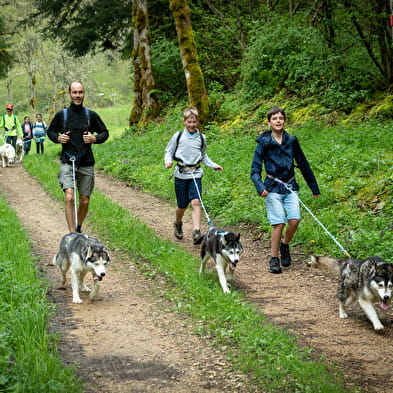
x=352 y=164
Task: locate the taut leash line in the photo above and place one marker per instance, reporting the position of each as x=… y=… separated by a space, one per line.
x=73 y=159
x=289 y=187
x=200 y=198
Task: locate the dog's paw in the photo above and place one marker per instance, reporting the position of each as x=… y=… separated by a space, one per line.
x=86 y=289
x=378 y=326
x=77 y=300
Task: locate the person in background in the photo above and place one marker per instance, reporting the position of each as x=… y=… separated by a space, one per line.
x=11 y=125
x=39 y=132
x=27 y=130
x=76 y=133
x=188 y=149
x=277 y=150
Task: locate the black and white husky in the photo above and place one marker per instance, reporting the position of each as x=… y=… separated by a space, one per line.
x=225 y=249
x=367 y=281
x=83 y=254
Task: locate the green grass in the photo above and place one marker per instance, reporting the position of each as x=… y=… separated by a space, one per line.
x=29 y=362
x=268 y=354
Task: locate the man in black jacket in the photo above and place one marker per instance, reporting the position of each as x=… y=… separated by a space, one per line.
x=76 y=128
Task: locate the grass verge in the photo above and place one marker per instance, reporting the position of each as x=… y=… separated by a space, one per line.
x=268 y=354
x=29 y=362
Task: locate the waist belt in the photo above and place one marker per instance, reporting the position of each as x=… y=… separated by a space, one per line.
x=73 y=157
x=280 y=180
x=183 y=167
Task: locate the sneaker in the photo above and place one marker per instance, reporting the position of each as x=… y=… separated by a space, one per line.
x=178 y=227
x=274 y=265
x=197 y=236
x=285 y=255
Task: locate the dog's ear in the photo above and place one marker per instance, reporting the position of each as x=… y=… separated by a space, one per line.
x=89 y=253
x=238 y=237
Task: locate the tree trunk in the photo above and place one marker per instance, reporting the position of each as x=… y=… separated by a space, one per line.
x=53 y=101
x=32 y=84
x=145 y=106
x=197 y=94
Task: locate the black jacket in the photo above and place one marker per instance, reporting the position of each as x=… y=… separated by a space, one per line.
x=77 y=123
x=279 y=163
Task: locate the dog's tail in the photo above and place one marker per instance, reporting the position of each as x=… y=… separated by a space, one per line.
x=332 y=265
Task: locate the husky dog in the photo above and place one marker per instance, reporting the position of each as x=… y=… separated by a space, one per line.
x=83 y=254
x=19 y=152
x=225 y=248
x=367 y=281
x=7 y=153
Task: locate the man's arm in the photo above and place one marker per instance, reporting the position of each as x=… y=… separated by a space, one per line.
x=98 y=127
x=55 y=128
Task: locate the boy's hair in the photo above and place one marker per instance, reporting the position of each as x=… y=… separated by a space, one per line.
x=190 y=112
x=274 y=111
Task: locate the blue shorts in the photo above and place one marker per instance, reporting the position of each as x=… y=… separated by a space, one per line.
x=186 y=191
x=282 y=207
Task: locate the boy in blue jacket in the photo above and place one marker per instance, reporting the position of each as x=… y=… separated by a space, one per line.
x=277 y=150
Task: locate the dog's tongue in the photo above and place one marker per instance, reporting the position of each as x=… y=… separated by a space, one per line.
x=384 y=306
x=233 y=266
x=99 y=278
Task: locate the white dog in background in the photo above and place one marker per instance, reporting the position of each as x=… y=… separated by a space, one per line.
x=20 y=152
x=7 y=153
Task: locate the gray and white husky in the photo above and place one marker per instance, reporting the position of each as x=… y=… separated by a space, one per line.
x=224 y=248
x=367 y=281
x=82 y=254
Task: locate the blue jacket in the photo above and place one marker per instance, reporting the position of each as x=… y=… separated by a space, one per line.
x=278 y=161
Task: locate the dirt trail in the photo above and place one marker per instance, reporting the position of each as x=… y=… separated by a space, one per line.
x=124 y=341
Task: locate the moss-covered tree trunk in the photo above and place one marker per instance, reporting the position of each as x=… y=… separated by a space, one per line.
x=195 y=83
x=145 y=106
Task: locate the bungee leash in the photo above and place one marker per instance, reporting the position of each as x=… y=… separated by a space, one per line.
x=73 y=159
x=210 y=222
x=289 y=188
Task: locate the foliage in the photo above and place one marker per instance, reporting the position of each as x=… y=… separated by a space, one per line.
x=288 y=54
x=5 y=58
x=306 y=51
x=97 y=77
x=79 y=32
x=29 y=361
x=167 y=68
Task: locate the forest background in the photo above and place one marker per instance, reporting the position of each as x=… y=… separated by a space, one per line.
x=328 y=63
x=323 y=58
